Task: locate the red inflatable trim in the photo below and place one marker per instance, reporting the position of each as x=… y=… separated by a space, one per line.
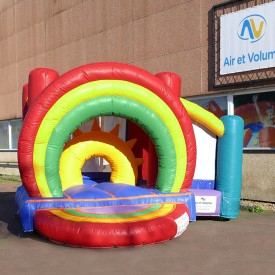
x=39 y=79
x=104 y=235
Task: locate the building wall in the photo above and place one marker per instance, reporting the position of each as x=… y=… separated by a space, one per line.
x=157 y=35
x=258 y=176
x=62 y=34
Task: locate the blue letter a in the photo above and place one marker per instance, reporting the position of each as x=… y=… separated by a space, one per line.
x=246 y=24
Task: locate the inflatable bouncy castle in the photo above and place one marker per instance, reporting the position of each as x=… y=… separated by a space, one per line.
x=62 y=204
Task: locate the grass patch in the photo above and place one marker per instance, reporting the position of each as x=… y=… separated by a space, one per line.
x=10 y=178
x=256 y=209
x=253 y=208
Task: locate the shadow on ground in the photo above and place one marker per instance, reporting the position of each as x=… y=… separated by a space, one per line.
x=9 y=220
x=8 y=210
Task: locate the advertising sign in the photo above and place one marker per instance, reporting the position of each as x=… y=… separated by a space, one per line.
x=258 y=113
x=247 y=39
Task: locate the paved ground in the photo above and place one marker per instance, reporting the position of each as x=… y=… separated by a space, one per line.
x=245 y=245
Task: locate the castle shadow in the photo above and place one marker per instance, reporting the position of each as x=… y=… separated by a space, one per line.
x=8 y=210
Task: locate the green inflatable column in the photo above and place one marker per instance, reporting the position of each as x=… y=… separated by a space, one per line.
x=229 y=166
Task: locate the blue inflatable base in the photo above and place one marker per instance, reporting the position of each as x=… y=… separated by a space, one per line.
x=203 y=184
x=92 y=194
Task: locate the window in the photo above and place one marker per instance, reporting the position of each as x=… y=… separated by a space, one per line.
x=9 y=133
x=258 y=113
x=256 y=109
x=4 y=135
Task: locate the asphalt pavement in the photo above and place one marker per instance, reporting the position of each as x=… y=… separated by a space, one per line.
x=245 y=245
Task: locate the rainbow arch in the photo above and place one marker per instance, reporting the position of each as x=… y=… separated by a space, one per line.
x=105 y=89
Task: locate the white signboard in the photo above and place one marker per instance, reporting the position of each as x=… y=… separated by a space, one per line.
x=182 y=223
x=206 y=204
x=247 y=39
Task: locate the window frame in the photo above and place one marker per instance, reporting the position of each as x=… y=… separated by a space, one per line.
x=10 y=149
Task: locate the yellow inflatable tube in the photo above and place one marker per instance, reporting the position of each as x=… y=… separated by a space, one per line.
x=98 y=144
x=204 y=117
